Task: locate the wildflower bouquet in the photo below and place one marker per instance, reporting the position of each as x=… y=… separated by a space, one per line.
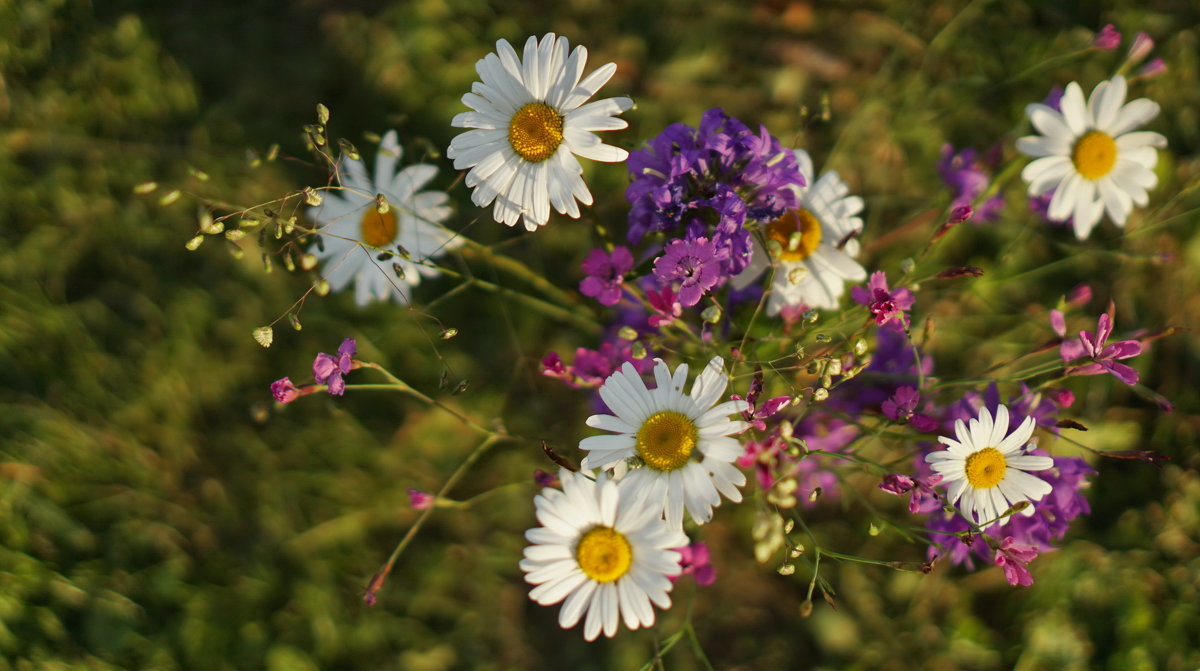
x=751 y=346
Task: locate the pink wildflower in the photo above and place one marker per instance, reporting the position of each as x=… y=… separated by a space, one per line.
x=1105 y=356
x=1108 y=38
x=284 y=391
x=1013 y=558
x=694 y=560
x=419 y=500
x=328 y=370
x=885 y=304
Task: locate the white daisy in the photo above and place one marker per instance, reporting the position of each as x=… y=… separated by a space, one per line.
x=682 y=443
x=1088 y=156
x=986 y=466
x=530 y=122
x=353 y=229
x=603 y=551
x=811 y=269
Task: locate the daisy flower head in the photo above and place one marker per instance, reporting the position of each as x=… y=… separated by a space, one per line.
x=812 y=269
x=986 y=466
x=349 y=218
x=603 y=551
x=681 y=446
x=1089 y=155
x=529 y=122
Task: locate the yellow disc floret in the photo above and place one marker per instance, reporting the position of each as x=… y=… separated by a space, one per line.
x=378 y=230
x=535 y=132
x=798 y=233
x=1094 y=155
x=604 y=554
x=985 y=468
x=666 y=440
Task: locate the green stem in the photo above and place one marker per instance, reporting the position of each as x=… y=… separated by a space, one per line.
x=586 y=323
x=396 y=384
x=378 y=580
x=518 y=269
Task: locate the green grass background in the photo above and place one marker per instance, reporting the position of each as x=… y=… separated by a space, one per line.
x=156 y=512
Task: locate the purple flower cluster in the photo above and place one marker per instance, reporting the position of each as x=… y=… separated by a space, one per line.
x=707 y=182
x=968 y=177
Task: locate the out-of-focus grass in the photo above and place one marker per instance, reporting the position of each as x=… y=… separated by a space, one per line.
x=156 y=512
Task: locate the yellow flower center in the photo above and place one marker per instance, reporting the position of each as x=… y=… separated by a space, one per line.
x=666 y=440
x=535 y=132
x=1094 y=154
x=798 y=232
x=985 y=468
x=604 y=554
x=378 y=230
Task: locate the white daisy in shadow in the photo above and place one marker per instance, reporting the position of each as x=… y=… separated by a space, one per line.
x=530 y=123
x=812 y=269
x=680 y=447
x=603 y=551
x=353 y=230
x=986 y=467
x=1090 y=156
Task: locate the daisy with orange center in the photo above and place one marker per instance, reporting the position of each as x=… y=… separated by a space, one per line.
x=1090 y=155
x=985 y=467
x=353 y=230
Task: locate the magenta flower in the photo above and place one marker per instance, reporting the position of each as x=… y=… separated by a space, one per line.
x=902 y=408
x=1080 y=294
x=666 y=306
x=1105 y=356
x=1013 y=558
x=886 y=305
x=284 y=391
x=694 y=263
x=921 y=488
x=1154 y=68
x=592 y=367
x=328 y=370
x=1108 y=38
x=419 y=500
x=694 y=559
x=1070 y=349
x=755 y=414
x=605 y=273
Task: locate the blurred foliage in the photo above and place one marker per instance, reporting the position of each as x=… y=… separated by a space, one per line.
x=156 y=512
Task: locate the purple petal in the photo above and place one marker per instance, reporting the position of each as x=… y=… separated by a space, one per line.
x=1058 y=323
x=323 y=366
x=337 y=386
x=1123 y=349
x=1121 y=371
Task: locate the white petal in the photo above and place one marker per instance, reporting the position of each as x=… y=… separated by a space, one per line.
x=1137 y=113
x=1074 y=110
